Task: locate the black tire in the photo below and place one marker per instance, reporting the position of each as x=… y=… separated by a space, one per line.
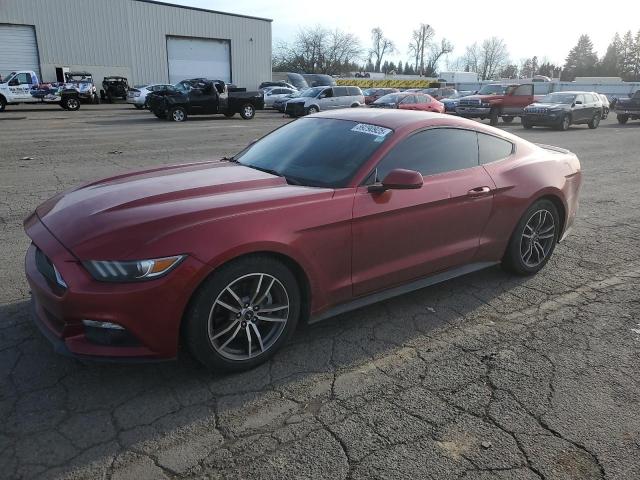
x=103 y=95
x=526 y=124
x=230 y=114
x=494 y=117
x=3 y=103
x=196 y=327
x=247 y=111
x=312 y=109
x=355 y=105
x=139 y=107
x=622 y=119
x=565 y=123
x=595 y=121
x=513 y=260
x=507 y=119
x=71 y=103
x=178 y=114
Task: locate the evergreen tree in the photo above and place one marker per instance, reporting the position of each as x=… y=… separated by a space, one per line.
x=581 y=61
x=400 y=68
x=635 y=56
x=611 y=62
x=626 y=56
x=385 y=67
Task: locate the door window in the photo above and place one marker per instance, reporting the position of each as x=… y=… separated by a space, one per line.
x=433 y=151
x=523 y=90
x=340 y=91
x=493 y=148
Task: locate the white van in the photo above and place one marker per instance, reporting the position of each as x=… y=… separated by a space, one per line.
x=318 y=99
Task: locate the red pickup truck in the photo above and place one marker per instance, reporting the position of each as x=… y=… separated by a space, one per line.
x=494 y=101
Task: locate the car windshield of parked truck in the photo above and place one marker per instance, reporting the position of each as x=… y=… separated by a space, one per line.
x=492 y=90
x=558 y=97
x=316 y=152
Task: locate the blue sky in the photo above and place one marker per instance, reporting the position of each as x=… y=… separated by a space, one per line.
x=546 y=28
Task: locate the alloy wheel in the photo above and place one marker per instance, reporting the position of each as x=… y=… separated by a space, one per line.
x=538 y=237
x=178 y=115
x=248 y=316
x=72 y=104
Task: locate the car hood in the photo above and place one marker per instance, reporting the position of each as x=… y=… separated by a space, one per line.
x=550 y=106
x=123 y=217
x=484 y=98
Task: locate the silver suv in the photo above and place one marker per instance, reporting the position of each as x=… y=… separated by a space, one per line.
x=317 y=99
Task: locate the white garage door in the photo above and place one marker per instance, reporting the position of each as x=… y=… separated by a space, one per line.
x=198 y=58
x=18 y=49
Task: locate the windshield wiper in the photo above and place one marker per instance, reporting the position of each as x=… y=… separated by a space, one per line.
x=229 y=159
x=290 y=180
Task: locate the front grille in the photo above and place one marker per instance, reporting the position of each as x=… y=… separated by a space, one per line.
x=469 y=102
x=296 y=109
x=45 y=267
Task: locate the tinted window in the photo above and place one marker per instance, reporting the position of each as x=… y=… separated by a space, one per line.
x=433 y=151
x=354 y=91
x=301 y=152
x=493 y=148
x=340 y=91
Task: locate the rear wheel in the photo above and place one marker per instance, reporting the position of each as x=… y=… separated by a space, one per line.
x=247 y=111
x=533 y=239
x=622 y=119
x=178 y=114
x=595 y=121
x=527 y=124
x=507 y=119
x=3 y=103
x=243 y=314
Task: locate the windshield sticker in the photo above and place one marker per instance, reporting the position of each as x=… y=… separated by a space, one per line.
x=379 y=132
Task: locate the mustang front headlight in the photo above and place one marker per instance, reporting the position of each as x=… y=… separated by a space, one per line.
x=132 y=270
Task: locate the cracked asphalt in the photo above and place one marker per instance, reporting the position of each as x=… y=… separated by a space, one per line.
x=485 y=377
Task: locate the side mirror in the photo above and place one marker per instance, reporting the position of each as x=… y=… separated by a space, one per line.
x=399 y=179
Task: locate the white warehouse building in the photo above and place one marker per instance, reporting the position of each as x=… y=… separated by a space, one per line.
x=143 y=40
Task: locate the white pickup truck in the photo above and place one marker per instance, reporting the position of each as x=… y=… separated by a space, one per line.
x=24 y=87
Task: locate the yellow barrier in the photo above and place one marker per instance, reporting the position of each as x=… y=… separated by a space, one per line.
x=371 y=83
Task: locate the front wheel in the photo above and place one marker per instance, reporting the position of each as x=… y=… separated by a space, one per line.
x=139 y=107
x=313 y=109
x=526 y=124
x=595 y=121
x=247 y=112
x=178 y=114
x=533 y=239
x=507 y=119
x=71 y=103
x=243 y=314
x=3 y=104
x=565 y=123
x=493 y=117
x=622 y=119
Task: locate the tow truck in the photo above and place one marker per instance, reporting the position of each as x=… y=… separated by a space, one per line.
x=24 y=87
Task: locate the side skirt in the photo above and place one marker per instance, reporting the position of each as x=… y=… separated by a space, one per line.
x=401 y=290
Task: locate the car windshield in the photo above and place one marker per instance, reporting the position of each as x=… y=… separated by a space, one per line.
x=316 y=152
x=390 y=98
x=312 y=92
x=492 y=90
x=558 y=98
x=368 y=92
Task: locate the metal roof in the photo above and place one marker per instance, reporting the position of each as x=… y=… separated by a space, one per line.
x=165 y=4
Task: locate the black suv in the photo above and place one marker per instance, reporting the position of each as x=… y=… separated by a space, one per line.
x=563 y=109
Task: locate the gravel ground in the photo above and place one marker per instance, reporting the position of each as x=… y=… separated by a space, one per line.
x=485 y=377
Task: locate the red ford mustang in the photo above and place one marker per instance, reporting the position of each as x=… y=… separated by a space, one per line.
x=410 y=101
x=323 y=215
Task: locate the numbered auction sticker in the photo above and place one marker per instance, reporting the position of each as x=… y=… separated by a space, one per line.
x=380 y=132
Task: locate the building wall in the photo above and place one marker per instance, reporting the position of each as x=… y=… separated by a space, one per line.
x=128 y=37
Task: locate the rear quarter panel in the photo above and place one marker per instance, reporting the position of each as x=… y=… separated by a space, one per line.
x=531 y=173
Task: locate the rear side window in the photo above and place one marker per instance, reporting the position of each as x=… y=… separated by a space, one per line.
x=340 y=91
x=354 y=91
x=492 y=148
x=433 y=151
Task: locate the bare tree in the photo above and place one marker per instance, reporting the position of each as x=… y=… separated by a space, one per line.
x=493 y=57
x=380 y=46
x=436 y=51
x=319 y=51
x=472 y=58
x=420 y=38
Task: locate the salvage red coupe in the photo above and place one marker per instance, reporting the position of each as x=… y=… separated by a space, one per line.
x=323 y=215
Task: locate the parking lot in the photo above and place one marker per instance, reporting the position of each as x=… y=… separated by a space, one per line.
x=485 y=377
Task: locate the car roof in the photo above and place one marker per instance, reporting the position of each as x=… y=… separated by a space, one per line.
x=395 y=119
